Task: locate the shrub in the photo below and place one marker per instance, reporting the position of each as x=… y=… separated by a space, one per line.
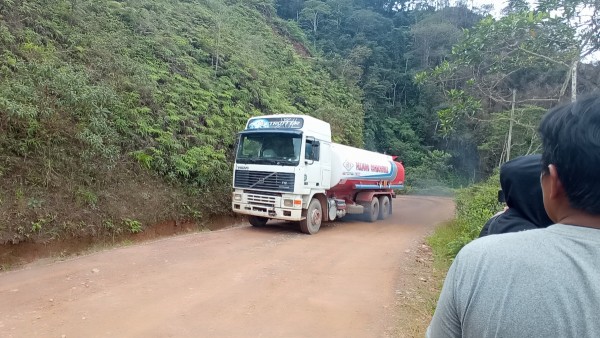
x=133 y=226
x=474 y=207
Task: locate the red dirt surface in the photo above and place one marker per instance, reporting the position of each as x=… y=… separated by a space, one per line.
x=238 y=282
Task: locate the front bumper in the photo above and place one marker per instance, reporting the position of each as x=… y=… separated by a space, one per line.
x=268 y=206
x=267 y=211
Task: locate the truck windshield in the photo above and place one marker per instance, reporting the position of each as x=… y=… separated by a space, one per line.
x=269 y=148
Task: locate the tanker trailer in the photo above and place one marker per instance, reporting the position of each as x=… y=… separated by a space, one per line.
x=364 y=179
x=288 y=169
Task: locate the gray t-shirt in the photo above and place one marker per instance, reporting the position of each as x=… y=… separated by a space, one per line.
x=536 y=283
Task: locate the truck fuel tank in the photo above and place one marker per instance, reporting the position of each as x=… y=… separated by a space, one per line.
x=356 y=168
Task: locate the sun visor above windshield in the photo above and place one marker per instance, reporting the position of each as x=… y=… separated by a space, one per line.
x=262 y=131
x=275 y=123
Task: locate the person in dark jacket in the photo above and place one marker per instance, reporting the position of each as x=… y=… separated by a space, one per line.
x=520 y=182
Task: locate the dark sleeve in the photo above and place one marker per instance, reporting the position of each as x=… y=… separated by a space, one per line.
x=509 y=221
x=486 y=227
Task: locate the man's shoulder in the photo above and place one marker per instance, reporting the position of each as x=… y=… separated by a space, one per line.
x=506 y=245
x=509 y=238
x=529 y=248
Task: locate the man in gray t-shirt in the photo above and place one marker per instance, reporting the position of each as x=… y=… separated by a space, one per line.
x=545 y=282
x=536 y=283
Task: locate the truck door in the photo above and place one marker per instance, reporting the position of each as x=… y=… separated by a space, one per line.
x=312 y=161
x=325 y=159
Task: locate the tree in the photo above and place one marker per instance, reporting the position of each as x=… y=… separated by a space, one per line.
x=376 y=45
x=434 y=38
x=515 y=6
x=289 y=9
x=506 y=64
x=340 y=10
x=582 y=17
x=352 y=66
x=524 y=137
x=266 y=7
x=497 y=54
x=380 y=6
x=313 y=12
x=370 y=23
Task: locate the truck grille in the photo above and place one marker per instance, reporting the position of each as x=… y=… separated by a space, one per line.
x=264 y=180
x=261 y=199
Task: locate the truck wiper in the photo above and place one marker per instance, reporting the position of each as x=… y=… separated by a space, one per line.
x=255 y=160
x=249 y=160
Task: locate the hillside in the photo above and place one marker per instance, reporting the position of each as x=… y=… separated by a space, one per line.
x=115 y=115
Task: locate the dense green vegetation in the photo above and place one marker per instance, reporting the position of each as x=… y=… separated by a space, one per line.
x=380 y=46
x=89 y=87
x=118 y=114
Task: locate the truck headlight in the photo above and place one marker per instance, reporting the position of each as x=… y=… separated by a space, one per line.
x=237 y=197
x=289 y=203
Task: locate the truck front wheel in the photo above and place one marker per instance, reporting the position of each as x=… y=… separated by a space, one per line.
x=258 y=221
x=311 y=224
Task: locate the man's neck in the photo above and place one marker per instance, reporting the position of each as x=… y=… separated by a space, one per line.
x=581 y=219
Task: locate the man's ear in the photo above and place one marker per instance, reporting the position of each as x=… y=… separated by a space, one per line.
x=557 y=190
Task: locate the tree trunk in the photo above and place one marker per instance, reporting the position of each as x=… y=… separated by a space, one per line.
x=574 y=81
x=510 y=125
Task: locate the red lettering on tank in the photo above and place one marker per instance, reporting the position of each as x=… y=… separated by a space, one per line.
x=379 y=168
x=362 y=166
x=371 y=167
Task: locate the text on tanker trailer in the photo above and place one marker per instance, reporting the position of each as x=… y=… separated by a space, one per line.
x=287 y=168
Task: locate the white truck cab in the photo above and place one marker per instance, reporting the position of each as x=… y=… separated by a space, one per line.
x=282 y=161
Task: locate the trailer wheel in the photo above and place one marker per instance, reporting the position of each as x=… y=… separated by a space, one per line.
x=311 y=224
x=258 y=221
x=373 y=210
x=384 y=207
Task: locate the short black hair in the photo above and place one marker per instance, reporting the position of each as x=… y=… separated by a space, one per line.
x=571 y=141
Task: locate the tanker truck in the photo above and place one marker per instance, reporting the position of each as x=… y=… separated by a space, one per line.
x=287 y=168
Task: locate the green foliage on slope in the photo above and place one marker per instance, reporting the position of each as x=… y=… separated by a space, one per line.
x=88 y=88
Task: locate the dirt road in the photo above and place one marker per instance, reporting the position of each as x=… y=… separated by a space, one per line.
x=238 y=282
